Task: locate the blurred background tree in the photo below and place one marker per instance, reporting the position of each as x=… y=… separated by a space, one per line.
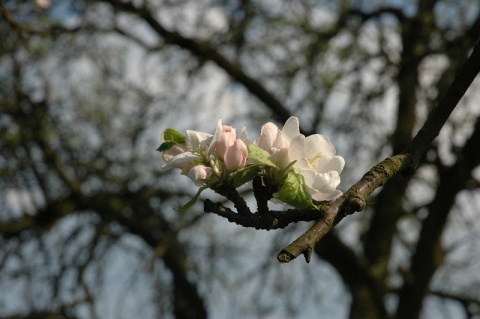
x=87 y=221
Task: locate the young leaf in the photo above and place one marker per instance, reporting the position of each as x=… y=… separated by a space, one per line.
x=245 y=175
x=260 y=156
x=172 y=135
x=165 y=146
x=192 y=202
x=295 y=192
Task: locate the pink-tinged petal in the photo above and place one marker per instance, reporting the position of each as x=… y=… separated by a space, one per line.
x=174 y=150
x=180 y=160
x=236 y=156
x=226 y=138
x=291 y=129
x=267 y=136
x=198 y=174
x=280 y=142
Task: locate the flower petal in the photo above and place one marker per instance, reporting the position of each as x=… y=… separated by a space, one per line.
x=291 y=129
x=267 y=136
x=244 y=136
x=326 y=182
x=296 y=150
x=199 y=173
x=180 y=160
x=318 y=196
x=335 y=164
x=236 y=156
x=197 y=140
x=318 y=144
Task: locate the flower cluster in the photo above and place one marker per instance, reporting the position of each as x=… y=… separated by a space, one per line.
x=205 y=158
x=298 y=170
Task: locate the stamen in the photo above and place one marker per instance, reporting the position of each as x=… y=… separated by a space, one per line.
x=313 y=159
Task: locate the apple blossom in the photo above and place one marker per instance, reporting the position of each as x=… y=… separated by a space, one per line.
x=198 y=174
x=298 y=169
x=199 y=155
x=313 y=156
x=316 y=160
x=184 y=156
x=225 y=139
x=277 y=142
x=236 y=156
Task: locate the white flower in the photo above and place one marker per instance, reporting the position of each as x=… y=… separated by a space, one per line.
x=317 y=162
x=314 y=155
x=277 y=142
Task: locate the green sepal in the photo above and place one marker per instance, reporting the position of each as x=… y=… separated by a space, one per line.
x=283 y=173
x=245 y=175
x=260 y=156
x=294 y=192
x=192 y=202
x=165 y=146
x=170 y=137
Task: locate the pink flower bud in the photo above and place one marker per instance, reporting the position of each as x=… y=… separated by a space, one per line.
x=225 y=139
x=198 y=174
x=236 y=156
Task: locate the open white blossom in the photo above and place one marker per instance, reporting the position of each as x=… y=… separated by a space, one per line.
x=314 y=155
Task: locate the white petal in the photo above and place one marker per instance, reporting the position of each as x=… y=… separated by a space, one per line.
x=296 y=150
x=195 y=140
x=244 y=136
x=326 y=182
x=213 y=141
x=335 y=164
x=322 y=196
x=280 y=142
x=179 y=160
x=309 y=177
x=291 y=129
x=267 y=136
x=318 y=144
x=280 y=156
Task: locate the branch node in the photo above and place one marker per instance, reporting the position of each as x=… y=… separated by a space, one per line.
x=285 y=257
x=353 y=203
x=307 y=253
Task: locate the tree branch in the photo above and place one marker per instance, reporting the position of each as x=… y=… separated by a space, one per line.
x=354 y=199
x=267 y=220
x=204 y=50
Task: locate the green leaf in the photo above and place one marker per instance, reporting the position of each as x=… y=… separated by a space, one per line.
x=295 y=192
x=245 y=175
x=192 y=202
x=172 y=135
x=260 y=156
x=165 y=146
x=170 y=138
